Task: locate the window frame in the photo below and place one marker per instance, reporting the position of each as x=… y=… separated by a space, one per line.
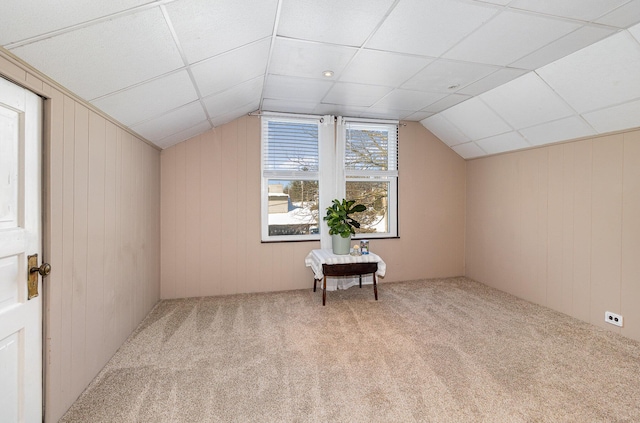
x=390 y=175
x=331 y=176
x=268 y=175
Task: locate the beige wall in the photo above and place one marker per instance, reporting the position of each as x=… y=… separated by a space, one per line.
x=560 y=226
x=101 y=237
x=212 y=247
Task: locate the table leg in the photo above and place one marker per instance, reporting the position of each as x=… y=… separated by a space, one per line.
x=360 y=276
x=324 y=290
x=314 y=284
x=375 y=287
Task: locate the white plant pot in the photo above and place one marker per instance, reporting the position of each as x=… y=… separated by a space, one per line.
x=340 y=245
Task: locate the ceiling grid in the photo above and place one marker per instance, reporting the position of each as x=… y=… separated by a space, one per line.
x=484 y=76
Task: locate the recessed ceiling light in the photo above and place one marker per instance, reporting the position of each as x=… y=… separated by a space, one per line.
x=328 y=73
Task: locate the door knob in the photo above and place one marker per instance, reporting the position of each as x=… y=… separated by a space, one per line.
x=44 y=269
x=32 y=283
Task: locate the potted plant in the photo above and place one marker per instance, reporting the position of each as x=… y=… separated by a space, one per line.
x=341 y=224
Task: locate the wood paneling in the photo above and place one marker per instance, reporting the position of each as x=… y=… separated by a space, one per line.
x=211 y=216
x=630 y=271
x=570 y=212
x=101 y=236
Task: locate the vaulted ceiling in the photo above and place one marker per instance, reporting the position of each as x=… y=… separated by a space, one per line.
x=485 y=76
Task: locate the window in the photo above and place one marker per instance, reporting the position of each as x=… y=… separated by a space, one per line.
x=371 y=175
x=290 y=178
x=308 y=161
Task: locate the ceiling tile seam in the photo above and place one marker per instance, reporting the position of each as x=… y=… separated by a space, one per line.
x=580 y=22
x=214 y=94
x=513 y=128
x=633 y=37
x=138 y=84
x=616 y=8
x=232 y=112
x=461 y=87
x=274 y=32
x=498 y=11
x=549 y=44
x=164 y=113
x=564 y=101
x=361 y=47
x=459 y=130
x=226 y=52
x=183 y=130
x=85 y=24
x=612 y=105
x=183 y=56
x=487 y=76
x=380 y=23
x=180 y=69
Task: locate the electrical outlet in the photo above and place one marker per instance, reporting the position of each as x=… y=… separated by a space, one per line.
x=614 y=319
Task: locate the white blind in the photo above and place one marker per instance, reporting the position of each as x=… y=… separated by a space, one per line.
x=290 y=146
x=371 y=149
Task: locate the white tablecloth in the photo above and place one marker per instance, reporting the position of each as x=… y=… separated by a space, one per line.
x=317 y=258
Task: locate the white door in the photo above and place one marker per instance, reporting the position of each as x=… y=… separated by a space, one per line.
x=20 y=236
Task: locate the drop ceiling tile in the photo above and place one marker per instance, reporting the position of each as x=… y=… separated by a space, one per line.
x=385 y=113
x=418 y=116
x=584 y=10
x=558 y=130
x=206 y=28
x=442 y=23
x=287 y=106
x=122 y=52
x=504 y=142
x=622 y=116
x=408 y=100
x=469 y=150
x=226 y=70
x=355 y=94
x=508 y=37
x=501 y=76
x=332 y=21
x=172 y=122
x=133 y=105
x=381 y=68
x=339 y=110
x=587 y=82
x=574 y=41
x=308 y=59
x=184 y=135
x=449 y=101
x=29 y=18
x=635 y=31
x=234 y=114
x=622 y=17
x=475 y=119
x=297 y=89
x=526 y=101
x=235 y=98
x=445 y=130
x=442 y=74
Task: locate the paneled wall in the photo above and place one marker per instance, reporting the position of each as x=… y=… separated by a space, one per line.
x=102 y=237
x=560 y=226
x=211 y=216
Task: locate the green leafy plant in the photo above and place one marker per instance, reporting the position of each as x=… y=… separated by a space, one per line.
x=339 y=220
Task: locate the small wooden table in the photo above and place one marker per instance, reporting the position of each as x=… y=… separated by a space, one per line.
x=349 y=269
x=324 y=263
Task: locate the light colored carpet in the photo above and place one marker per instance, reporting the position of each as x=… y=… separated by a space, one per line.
x=446 y=350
